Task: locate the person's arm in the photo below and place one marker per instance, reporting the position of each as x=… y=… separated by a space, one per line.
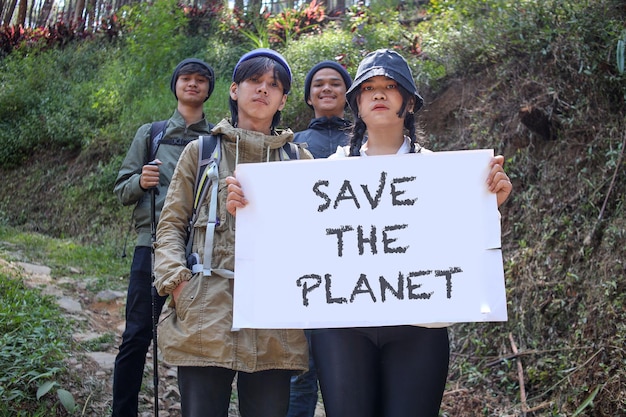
x=128 y=186
x=497 y=181
x=170 y=267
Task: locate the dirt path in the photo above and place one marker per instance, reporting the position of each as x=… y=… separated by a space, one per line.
x=99 y=319
x=99 y=323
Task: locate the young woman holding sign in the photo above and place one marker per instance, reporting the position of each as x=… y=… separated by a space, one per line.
x=391 y=371
x=388 y=371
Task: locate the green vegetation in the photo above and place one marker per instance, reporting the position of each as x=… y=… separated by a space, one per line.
x=34 y=339
x=541 y=82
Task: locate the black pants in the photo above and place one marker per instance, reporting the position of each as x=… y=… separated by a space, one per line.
x=130 y=361
x=395 y=371
x=205 y=392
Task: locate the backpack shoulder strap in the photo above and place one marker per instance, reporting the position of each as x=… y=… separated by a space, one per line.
x=157 y=130
x=290 y=150
x=209 y=153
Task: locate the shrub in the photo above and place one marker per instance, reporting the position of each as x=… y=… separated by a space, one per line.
x=33 y=341
x=290 y=24
x=51 y=93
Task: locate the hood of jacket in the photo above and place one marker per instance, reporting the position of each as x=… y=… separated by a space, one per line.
x=248 y=145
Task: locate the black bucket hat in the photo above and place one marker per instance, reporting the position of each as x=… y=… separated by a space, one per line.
x=390 y=64
x=184 y=62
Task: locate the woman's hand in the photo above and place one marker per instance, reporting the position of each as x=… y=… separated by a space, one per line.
x=235 y=198
x=498 y=182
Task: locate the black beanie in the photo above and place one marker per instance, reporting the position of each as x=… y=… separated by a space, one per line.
x=324 y=64
x=184 y=62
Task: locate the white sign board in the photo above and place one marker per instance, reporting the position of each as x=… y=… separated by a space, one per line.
x=371 y=241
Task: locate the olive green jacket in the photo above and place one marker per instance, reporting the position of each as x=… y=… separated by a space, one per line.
x=197 y=331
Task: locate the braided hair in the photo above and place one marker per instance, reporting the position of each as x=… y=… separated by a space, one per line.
x=359 y=128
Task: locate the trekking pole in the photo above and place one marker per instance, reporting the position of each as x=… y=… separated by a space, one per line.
x=155 y=313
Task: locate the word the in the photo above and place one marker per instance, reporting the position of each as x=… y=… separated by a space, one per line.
x=370 y=240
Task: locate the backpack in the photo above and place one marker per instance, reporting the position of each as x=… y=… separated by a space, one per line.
x=209 y=154
x=157 y=131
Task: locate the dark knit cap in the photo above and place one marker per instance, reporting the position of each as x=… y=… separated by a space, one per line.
x=179 y=67
x=324 y=64
x=390 y=64
x=268 y=53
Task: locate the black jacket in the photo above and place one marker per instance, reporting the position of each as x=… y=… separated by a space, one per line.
x=324 y=135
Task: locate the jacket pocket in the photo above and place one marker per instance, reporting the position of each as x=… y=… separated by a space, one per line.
x=187 y=297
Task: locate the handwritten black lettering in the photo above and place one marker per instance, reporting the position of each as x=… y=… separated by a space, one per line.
x=324 y=196
x=358 y=288
x=339 y=232
x=395 y=192
x=385 y=285
x=406 y=283
x=362 y=240
x=387 y=241
x=411 y=287
x=448 y=275
x=303 y=282
x=370 y=239
x=346 y=193
x=329 y=297
x=379 y=192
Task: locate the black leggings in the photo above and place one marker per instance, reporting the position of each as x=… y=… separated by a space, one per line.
x=395 y=371
x=205 y=391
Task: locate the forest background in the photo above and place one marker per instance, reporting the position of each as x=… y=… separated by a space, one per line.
x=540 y=81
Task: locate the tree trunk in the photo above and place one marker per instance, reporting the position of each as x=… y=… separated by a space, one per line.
x=254 y=6
x=67 y=11
x=91 y=16
x=29 y=14
x=9 y=12
x=21 y=12
x=78 y=12
x=44 y=13
x=4 y=11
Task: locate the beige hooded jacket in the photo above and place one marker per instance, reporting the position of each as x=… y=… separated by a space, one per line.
x=197 y=331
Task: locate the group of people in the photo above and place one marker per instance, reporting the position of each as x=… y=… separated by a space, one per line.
x=390 y=371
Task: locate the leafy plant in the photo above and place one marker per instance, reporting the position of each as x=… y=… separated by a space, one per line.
x=258 y=37
x=290 y=24
x=65 y=397
x=33 y=341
